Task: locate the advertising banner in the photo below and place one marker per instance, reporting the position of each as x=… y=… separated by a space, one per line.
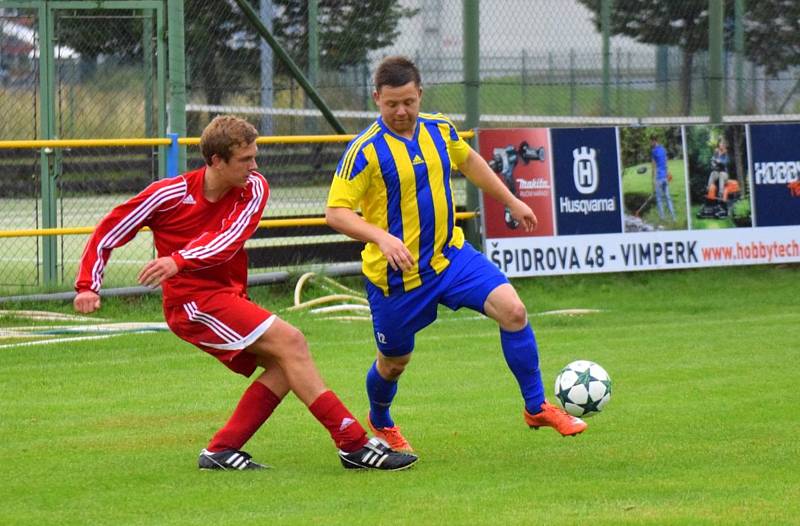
x=776 y=173
x=586 y=173
x=644 y=198
x=645 y=251
x=521 y=158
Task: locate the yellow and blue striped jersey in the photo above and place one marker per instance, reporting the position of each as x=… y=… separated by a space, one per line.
x=404 y=186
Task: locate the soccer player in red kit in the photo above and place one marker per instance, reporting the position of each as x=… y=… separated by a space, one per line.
x=200 y=222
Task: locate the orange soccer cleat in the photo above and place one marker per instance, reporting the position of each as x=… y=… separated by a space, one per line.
x=558 y=419
x=392 y=436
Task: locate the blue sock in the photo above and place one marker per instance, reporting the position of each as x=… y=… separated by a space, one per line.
x=381 y=393
x=522 y=357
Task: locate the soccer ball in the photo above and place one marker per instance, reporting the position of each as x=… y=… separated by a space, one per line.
x=583 y=388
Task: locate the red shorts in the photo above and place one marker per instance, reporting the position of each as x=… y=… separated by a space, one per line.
x=222 y=325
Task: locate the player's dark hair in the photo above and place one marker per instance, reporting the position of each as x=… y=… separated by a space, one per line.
x=223 y=134
x=654 y=138
x=396 y=71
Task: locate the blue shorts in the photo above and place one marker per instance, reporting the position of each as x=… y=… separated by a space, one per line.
x=466 y=282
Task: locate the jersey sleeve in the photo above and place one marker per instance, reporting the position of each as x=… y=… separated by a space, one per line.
x=220 y=244
x=458 y=147
x=352 y=177
x=120 y=226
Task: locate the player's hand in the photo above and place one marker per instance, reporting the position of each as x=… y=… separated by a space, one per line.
x=523 y=213
x=396 y=253
x=156 y=271
x=86 y=302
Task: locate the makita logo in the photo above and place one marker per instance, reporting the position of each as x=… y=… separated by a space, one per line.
x=777 y=172
x=584 y=169
x=586 y=206
x=536 y=184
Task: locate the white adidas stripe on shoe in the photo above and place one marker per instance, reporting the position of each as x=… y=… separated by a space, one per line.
x=376 y=454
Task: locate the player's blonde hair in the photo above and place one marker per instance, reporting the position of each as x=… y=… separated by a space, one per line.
x=224 y=133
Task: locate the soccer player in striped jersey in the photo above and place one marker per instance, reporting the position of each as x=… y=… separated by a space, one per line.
x=200 y=222
x=398 y=172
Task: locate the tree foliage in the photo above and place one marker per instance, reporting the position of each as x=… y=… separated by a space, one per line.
x=97 y=32
x=772 y=34
x=222 y=46
x=681 y=23
x=348 y=29
x=771 y=30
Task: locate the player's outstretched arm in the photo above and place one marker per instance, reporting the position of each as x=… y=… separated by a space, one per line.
x=120 y=225
x=86 y=302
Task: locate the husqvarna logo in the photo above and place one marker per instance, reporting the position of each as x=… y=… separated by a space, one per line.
x=584 y=169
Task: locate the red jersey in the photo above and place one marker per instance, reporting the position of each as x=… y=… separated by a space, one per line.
x=205 y=239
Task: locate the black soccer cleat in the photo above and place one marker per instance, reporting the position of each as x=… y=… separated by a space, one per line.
x=376 y=454
x=227 y=459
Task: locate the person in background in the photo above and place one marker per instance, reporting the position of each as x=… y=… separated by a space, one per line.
x=661 y=178
x=718 y=177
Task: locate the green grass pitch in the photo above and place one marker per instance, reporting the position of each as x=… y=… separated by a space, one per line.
x=702 y=427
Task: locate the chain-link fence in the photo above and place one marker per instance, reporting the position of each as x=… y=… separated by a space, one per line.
x=91 y=88
x=108 y=78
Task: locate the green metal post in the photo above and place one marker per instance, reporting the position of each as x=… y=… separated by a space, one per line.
x=552 y=108
x=524 y=82
x=472 y=62
x=572 y=93
x=161 y=88
x=177 y=75
x=716 y=11
x=48 y=131
x=605 y=21
x=147 y=52
x=313 y=57
x=618 y=82
x=662 y=75
x=313 y=40
x=472 y=83
x=366 y=82
x=738 y=42
x=252 y=16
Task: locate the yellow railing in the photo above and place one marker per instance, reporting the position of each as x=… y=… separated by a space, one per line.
x=183 y=141
x=264 y=223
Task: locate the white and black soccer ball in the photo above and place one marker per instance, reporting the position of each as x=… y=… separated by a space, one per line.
x=583 y=388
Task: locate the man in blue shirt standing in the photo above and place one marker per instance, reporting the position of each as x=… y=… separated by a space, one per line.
x=658 y=154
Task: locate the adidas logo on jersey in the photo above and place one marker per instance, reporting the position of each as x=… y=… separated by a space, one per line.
x=417 y=160
x=188 y=200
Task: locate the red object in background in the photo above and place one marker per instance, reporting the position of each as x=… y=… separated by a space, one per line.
x=529 y=176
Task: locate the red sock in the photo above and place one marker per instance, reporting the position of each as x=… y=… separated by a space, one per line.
x=257 y=403
x=345 y=430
